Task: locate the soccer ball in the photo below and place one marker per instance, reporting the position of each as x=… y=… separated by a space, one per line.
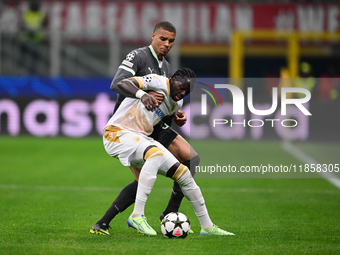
x=175 y=225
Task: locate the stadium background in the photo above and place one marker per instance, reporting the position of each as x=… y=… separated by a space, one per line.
x=66 y=96
x=86 y=40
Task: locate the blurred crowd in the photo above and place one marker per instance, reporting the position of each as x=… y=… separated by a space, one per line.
x=325 y=84
x=324 y=87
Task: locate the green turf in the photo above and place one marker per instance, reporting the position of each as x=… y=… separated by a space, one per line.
x=322 y=153
x=52 y=190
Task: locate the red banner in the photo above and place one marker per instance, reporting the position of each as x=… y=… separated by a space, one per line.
x=210 y=22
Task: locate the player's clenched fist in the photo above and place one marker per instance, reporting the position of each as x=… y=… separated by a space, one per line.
x=149 y=102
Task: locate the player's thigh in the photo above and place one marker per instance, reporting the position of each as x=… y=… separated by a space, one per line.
x=181 y=149
x=163 y=134
x=174 y=142
x=168 y=160
x=124 y=144
x=135 y=172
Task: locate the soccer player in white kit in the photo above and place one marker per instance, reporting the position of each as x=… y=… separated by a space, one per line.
x=126 y=138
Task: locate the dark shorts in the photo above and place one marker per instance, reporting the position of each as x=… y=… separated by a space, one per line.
x=164 y=134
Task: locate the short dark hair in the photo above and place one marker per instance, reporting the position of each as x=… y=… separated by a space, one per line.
x=166 y=25
x=186 y=72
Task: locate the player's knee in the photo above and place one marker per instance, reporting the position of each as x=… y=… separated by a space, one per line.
x=192 y=164
x=179 y=173
x=151 y=152
x=182 y=176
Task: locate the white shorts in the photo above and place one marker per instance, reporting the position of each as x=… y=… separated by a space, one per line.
x=129 y=148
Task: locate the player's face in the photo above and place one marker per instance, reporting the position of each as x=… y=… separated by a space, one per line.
x=179 y=88
x=162 y=41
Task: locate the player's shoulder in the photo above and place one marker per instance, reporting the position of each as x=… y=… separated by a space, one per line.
x=154 y=78
x=136 y=54
x=134 y=61
x=152 y=81
x=140 y=52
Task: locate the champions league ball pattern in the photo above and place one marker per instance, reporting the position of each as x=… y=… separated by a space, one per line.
x=130 y=56
x=175 y=225
x=147 y=78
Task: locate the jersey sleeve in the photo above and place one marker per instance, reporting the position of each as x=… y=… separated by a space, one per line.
x=128 y=68
x=152 y=82
x=131 y=62
x=178 y=106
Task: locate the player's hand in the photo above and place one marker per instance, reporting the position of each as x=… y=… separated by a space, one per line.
x=180 y=118
x=149 y=102
x=158 y=96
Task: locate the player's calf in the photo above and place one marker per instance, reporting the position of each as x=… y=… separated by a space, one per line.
x=193 y=193
x=153 y=157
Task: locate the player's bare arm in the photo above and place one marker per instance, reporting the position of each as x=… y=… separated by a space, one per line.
x=120 y=75
x=131 y=87
x=179 y=147
x=180 y=118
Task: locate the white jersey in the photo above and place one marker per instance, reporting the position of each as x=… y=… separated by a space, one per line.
x=132 y=114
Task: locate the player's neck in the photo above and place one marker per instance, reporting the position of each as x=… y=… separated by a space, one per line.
x=157 y=56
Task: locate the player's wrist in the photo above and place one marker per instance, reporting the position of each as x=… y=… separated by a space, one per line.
x=140 y=93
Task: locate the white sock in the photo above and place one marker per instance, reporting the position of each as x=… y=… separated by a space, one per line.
x=193 y=193
x=141 y=198
x=202 y=214
x=198 y=204
x=147 y=178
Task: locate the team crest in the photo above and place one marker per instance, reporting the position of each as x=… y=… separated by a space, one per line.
x=136 y=138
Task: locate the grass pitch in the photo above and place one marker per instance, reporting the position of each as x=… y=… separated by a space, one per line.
x=52 y=190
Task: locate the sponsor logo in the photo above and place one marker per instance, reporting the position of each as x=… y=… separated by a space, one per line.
x=151 y=70
x=160 y=113
x=178 y=232
x=204 y=97
x=238 y=104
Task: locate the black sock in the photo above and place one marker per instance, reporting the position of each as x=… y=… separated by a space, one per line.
x=175 y=200
x=177 y=194
x=125 y=198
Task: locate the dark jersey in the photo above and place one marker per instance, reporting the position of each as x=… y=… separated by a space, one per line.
x=139 y=62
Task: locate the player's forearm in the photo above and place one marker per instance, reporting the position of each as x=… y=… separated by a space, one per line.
x=130 y=87
x=120 y=75
x=114 y=86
